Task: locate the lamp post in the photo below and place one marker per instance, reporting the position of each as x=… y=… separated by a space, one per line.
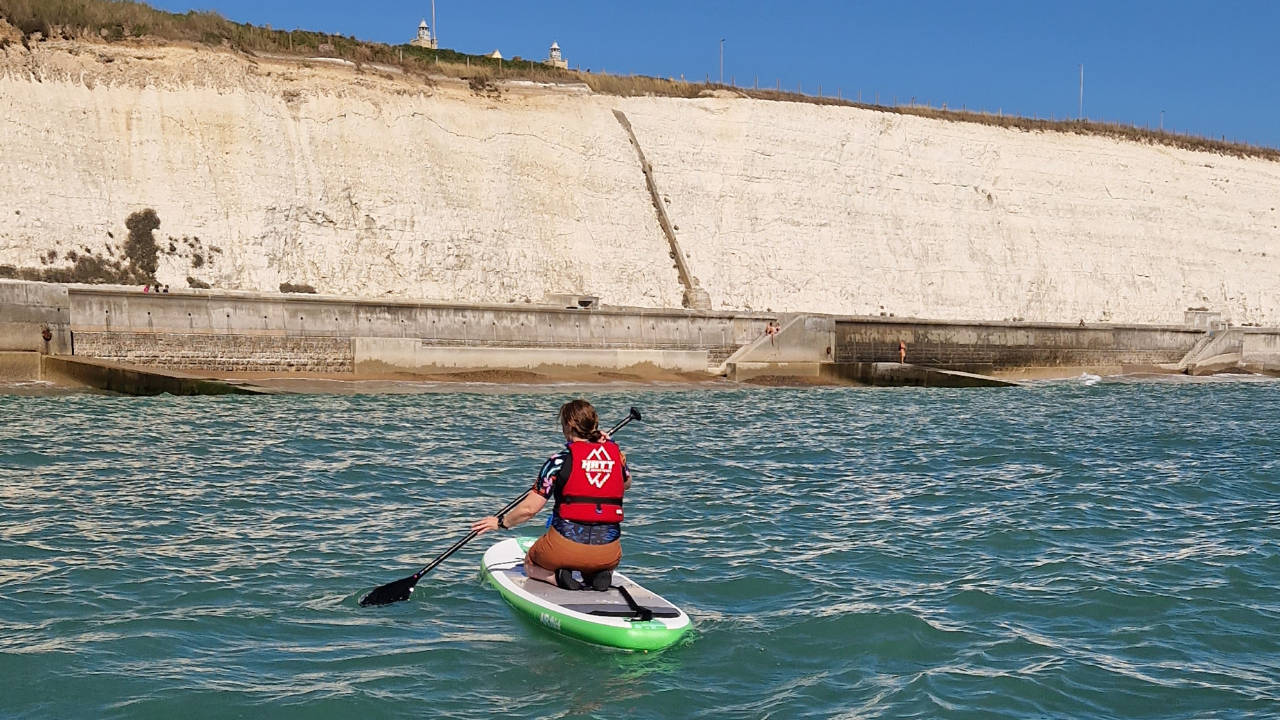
x=721 y=61
x=1080 y=112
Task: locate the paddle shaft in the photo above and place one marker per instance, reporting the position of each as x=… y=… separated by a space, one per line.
x=470 y=536
x=633 y=415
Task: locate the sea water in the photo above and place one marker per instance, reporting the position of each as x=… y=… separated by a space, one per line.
x=1109 y=550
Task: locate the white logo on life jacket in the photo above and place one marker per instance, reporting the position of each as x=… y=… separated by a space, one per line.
x=597 y=466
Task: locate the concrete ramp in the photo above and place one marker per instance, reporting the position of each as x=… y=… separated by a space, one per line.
x=804 y=350
x=1218 y=351
x=804 y=339
x=1234 y=350
x=1213 y=365
x=883 y=374
x=127 y=380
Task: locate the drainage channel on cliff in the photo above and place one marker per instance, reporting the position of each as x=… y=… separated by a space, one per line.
x=694 y=296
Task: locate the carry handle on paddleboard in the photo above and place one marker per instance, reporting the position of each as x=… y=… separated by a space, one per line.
x=400 y=589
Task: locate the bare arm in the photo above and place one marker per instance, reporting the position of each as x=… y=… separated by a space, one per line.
x=530 y=506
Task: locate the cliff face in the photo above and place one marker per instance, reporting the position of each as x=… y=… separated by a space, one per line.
x=812 y=206
x=352 y=183
x=369 y=184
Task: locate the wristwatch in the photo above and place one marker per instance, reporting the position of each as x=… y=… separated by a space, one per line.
x=502 y=524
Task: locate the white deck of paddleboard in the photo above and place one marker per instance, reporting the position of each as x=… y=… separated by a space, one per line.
x=505 y=562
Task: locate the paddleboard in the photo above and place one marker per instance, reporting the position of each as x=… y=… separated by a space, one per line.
x=602 y=618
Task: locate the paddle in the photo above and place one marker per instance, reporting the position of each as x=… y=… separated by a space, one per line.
x=400 y=589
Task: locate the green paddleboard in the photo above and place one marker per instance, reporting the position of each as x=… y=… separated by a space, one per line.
x=602 y=618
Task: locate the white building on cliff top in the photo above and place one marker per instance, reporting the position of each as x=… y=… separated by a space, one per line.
x=554 y=59
x=424 y=39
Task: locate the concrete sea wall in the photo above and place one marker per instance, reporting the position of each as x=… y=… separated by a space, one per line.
x=382 y=355
x=26 y=310
x=225 y=332
x=220 y=352
x=1262 y=348
x=984 y=347
x=361 y=184
x=292 y=333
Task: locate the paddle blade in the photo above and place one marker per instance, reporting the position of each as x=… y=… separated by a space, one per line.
x=391 y=592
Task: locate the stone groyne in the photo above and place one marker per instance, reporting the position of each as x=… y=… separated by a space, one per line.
x=362 y=184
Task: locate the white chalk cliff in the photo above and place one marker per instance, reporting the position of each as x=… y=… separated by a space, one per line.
x=364 y=183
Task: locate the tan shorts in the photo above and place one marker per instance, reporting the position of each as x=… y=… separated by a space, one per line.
x=554 y=551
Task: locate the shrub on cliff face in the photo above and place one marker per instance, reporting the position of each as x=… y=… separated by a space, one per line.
x=93 y=269
x=85 y=269
x=197 y=284
x=137 y=260
x=484 y=85
x=140 y=247
x=292 y=288
x=32 y=25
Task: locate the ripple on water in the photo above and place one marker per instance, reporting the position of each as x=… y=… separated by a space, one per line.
x=1053 y=551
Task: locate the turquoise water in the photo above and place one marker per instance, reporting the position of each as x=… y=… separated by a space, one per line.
x=1054 y=551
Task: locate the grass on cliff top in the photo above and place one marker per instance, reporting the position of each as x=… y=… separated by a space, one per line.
x=130 y=21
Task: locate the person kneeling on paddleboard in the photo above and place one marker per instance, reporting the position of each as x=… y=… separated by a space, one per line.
x=587 y=479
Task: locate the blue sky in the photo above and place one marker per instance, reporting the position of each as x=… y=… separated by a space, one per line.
x=1212 y=68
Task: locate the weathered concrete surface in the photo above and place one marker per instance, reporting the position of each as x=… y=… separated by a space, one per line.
x=747 y=370
x=991 y=347
x=288 y=330
x=802 y=339
x=26 y=308
x=1211 y=348
x=1216 y=364
x=241 y=331
x=220 y=352
x=123 y=308
x=362 y=184
x=19 y=366
x=1260 y=350
x=884 y=374
x=1234 y=350
x=127 y=380
x=378 y=355
x=878 y=374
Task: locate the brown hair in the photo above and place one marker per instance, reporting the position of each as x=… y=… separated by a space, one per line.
x=580 y=419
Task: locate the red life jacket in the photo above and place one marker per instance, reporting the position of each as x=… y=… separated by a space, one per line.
x=593 y=492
